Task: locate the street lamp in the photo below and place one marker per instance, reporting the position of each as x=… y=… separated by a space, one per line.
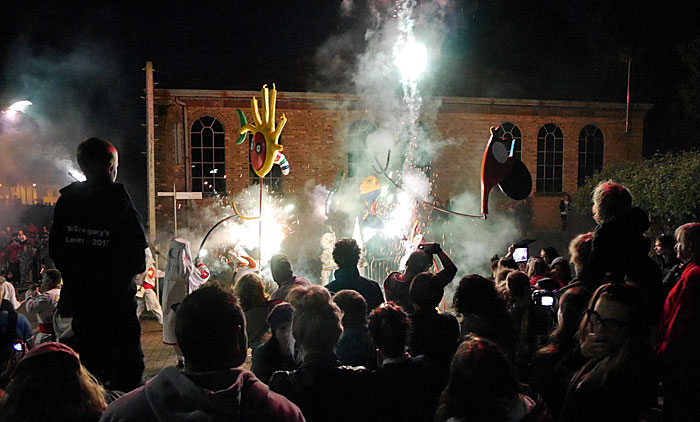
x=17 y=107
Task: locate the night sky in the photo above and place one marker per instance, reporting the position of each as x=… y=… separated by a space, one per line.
x=84 y=61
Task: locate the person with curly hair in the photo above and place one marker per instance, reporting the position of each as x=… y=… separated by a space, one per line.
x=346 y=255
x=483 y=312
x=255 y=303
x=406 y=385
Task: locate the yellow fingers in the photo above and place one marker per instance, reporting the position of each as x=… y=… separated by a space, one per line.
x=273 y=106
x=278 y=131
x=266 y=103
x=256 y=112
x=247 y=128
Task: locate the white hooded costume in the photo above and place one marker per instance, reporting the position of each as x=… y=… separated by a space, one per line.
x=182 y=277
x=146 y=297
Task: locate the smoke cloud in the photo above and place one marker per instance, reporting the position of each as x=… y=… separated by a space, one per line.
x=371 y=73
x=75 y=95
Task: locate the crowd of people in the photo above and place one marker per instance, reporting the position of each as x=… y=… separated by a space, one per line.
x=614 y=341
x=24 y=253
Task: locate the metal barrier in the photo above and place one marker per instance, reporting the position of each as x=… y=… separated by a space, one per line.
x=379 y=268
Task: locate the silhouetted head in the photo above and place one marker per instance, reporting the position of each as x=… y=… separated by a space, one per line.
x=210 y=330
x=316 y=319
x=482 y=384
x=388 y=326
x=51 y=279
x=418 y=262
x=346 y=253
x=426 y=290
x=518 y=285
x=353 y=306
x=98 y=158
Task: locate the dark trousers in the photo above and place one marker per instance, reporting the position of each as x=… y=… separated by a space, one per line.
x=110 y=349
x=564 y=224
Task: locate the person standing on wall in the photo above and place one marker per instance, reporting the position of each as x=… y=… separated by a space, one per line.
x=97 y=243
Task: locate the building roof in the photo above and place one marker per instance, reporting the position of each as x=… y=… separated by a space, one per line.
x=201 y=94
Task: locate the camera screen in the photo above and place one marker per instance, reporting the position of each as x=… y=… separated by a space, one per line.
x=547 y=300
x=18 y=347
x=520 y=254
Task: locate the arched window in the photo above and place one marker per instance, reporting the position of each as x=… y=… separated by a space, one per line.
x=273 y=179
x=511 y=132
x=207 y=156
x=590 y=152
x=550 y=158
x=358 y=166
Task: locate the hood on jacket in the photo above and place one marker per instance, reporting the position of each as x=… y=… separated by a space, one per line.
x=281 y=268
x=174 y=396
x=639 y=219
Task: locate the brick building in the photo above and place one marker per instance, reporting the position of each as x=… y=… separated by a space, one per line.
x=559 y=141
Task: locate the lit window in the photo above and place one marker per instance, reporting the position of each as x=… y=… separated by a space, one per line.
x=550 y=158
x=207 y=156
x=590 y=152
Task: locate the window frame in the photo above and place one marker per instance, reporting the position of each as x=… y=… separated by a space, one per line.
x=590 y=162
x=510 y=133
x=205 y=159
x=550 y=161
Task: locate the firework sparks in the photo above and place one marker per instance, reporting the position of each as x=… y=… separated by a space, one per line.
x=277 y=224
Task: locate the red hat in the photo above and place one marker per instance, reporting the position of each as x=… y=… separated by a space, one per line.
x=50 y=347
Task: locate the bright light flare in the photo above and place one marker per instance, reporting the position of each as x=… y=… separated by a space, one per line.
x=275 y=228
x=203 y=253
x=75 y=174
x=17 y=107
x=399 y=220
x=411 y=59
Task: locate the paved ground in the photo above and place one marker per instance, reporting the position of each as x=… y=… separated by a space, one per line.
x=156 y=354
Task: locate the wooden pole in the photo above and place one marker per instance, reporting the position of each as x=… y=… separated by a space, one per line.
x=175 y=209
x=150 y=155
x=627 y=114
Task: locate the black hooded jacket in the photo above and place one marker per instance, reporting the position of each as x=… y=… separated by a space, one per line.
x=97 y=243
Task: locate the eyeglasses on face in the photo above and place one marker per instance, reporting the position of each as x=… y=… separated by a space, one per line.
x=611 y=325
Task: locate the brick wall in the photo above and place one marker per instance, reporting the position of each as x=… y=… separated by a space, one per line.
x=315 y=139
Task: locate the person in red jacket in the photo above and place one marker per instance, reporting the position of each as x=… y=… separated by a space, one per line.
x=679 y=338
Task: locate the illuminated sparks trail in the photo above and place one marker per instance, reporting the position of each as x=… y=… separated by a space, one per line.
x=239 y=231
x=411 y=59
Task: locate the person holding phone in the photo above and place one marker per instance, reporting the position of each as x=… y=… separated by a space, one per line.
x=397 y=284
x=14 y=328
